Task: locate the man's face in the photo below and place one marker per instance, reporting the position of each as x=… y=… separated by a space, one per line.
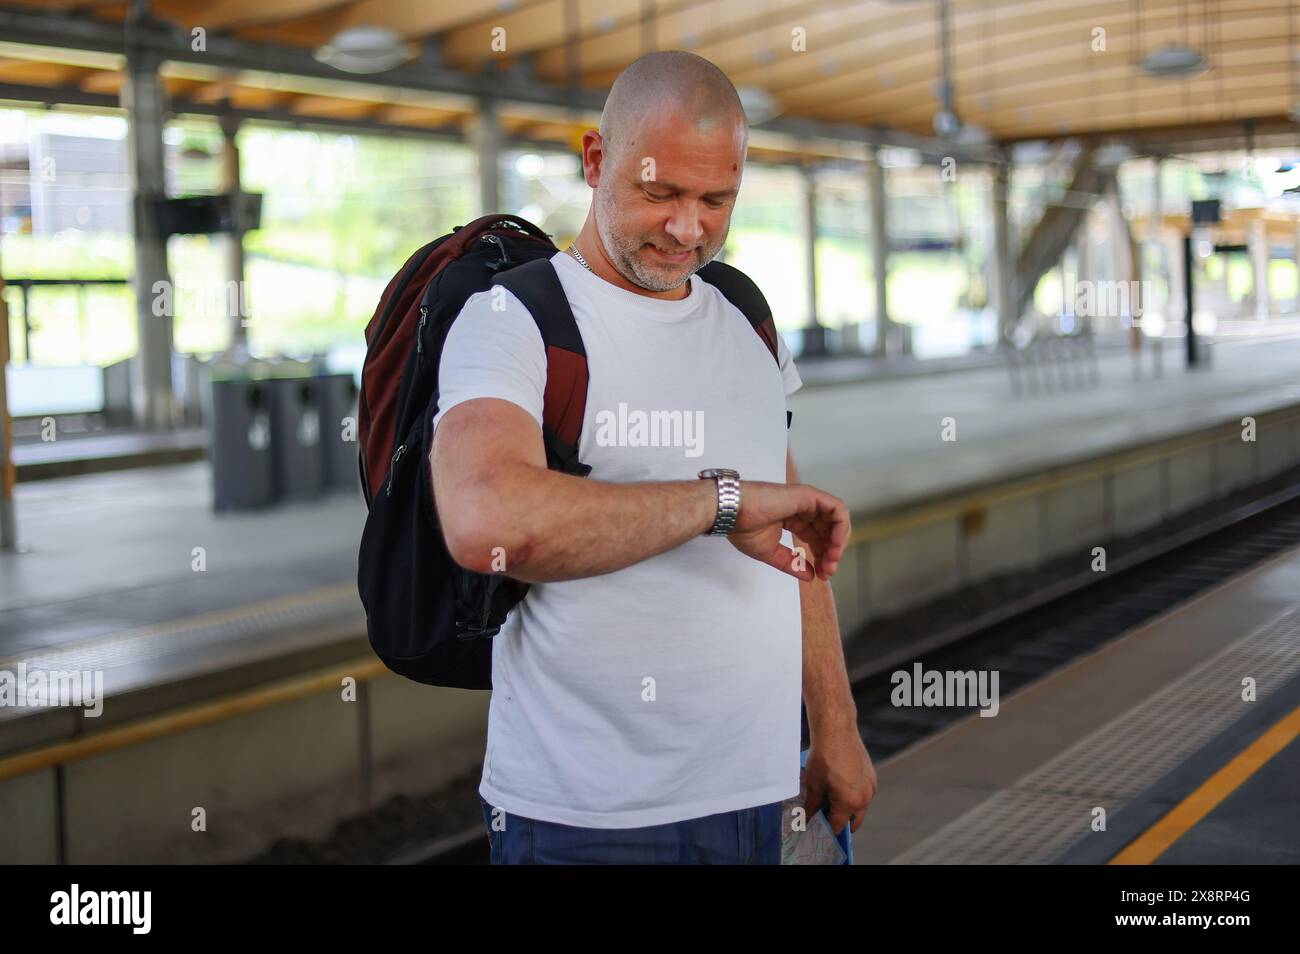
x=663 y=201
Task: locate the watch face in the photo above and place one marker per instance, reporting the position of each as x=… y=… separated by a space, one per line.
x=718 y=472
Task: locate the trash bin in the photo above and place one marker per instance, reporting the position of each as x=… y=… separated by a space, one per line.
x=339 y=447
x=295 y=437
x=240 y=444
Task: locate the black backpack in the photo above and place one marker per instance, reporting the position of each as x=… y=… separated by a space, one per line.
x=428 y=618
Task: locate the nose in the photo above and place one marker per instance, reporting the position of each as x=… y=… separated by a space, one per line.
x=684 y=225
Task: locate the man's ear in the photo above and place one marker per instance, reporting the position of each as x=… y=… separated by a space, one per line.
x=593 y=156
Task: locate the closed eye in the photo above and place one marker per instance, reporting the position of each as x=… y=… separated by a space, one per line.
x=711 y=203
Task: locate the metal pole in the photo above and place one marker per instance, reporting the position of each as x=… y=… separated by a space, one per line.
x=814 y=333
x=27 y=322
x=877 y=198
x=233 y=186
x=153 y=401
x=1083 y=272
x=485 y=134
x=8 y=523
x=81 y=323
x=1295 y=307
x=1002 y=264
x=1259 y=257
x=1189 y=296
x=1156 y=240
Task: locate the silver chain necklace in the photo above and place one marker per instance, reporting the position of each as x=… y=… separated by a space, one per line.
x=581 y=261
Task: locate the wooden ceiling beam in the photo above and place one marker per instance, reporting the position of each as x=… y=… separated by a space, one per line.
x=233 y=14
x=703 y=27
x=1039 y=84
x=610 y=36
x=912 y=79
x=332 y=106
x=101 y=81
x=1004 y=46
x=1116 y=108
x=412 y=21
x=403 y=114
x=1257 y=104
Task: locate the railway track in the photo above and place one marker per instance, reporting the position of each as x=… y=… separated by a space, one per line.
x=1027 y=641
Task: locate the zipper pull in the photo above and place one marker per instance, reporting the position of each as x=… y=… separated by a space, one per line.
x=392 y=467
x=504 y=260
x=419 y=330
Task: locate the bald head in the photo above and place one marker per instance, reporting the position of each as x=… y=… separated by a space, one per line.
x=670 y=83
x=665 y=168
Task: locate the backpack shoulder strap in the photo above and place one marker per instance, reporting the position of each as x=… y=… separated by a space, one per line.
x=538 y=287
x=739 y=289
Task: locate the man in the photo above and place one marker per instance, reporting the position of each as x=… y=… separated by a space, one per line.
x=645 y=702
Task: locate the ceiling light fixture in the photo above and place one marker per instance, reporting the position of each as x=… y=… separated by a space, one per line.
x=1174 y=59
x=364 y=49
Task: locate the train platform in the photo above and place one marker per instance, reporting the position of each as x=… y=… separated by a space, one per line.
x=1176 y=744
x=881 y=445
x=114 y=567
x=108 y=450
x=131 y=574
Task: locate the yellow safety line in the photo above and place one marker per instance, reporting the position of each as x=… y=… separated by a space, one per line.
x=286 y=690
x=275 y=604
x=1155 y=841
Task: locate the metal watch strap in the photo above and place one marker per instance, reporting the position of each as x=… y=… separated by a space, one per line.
x=728 y=482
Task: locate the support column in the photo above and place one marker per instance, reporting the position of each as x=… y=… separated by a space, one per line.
x=1084 y=271
x=1189 y=301
x=814 y=333
x=1155 y=226
x=1128 y=263
x=1259 y=253
x=8 y=524
x=1003 y=265
x=878 y=199
x=153 y=400
x=1172 y=248
x=1295 y=306
x=485 y=136
x=232 y=185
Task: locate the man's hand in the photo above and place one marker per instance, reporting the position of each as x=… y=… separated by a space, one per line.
x=815 y=517
x=839 y=771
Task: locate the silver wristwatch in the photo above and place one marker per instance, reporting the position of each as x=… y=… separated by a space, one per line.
x=728 y=499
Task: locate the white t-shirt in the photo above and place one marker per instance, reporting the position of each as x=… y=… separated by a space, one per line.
x=669 y=689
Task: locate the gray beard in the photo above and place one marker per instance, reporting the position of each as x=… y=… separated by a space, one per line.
x=633 y=268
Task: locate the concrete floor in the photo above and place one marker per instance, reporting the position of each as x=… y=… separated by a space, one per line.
x=969 y=793
x=1257 y=824
x=878 y=444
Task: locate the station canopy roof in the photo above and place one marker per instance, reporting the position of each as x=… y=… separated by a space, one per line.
x=830 y=74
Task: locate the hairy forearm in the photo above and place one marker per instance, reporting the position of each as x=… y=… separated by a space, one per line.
x=825 y=682
x=549 y=526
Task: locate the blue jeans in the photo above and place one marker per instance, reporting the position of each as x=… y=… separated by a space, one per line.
x=748 y=836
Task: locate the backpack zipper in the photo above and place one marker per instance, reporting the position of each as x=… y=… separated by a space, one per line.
x=496 y=266
x=419 y=330
x=392 y=467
